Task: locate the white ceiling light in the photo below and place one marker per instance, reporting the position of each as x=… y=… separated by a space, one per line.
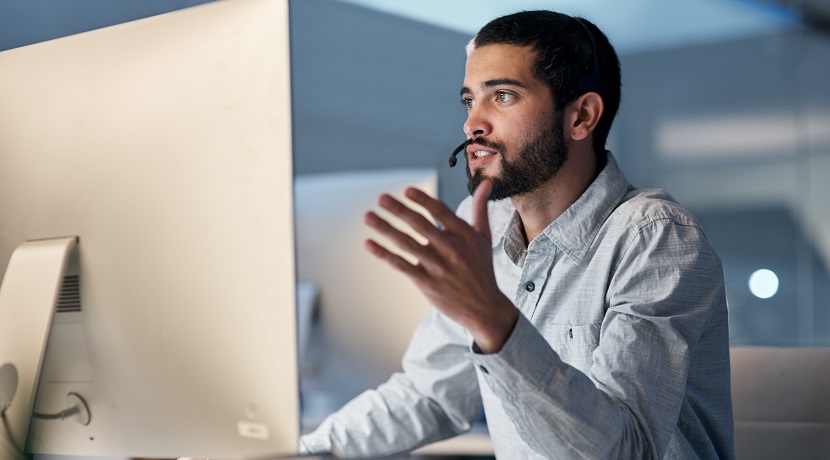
x=763 y=283
x=632 y=25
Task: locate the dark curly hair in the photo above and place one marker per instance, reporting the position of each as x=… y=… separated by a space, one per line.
x=572 y=56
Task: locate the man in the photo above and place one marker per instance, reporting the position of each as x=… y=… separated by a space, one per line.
x=588 y=317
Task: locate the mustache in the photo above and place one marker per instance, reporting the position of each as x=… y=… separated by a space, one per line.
x=497 y=146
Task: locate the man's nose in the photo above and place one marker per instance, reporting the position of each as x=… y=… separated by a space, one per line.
x=477 y=124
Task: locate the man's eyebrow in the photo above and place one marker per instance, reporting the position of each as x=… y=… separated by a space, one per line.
x=496 y=82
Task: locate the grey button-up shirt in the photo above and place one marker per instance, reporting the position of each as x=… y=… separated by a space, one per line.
x=621 y=351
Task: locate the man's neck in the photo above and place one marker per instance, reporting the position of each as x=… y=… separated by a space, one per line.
x=544 y=205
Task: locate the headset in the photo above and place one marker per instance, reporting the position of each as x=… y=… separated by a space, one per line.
x=585 y=84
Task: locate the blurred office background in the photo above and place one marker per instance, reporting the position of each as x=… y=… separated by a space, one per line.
x=725 y=104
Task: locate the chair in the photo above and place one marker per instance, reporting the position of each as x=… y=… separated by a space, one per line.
x=781 y=402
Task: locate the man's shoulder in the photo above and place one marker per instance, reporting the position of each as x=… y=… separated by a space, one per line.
x=643 y=206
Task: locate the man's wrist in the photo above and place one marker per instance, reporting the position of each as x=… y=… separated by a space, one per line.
x=492 y=337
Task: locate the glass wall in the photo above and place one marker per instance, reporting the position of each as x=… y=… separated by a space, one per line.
x=739 y=132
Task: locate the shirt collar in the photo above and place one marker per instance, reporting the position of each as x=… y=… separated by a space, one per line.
x=574 y=230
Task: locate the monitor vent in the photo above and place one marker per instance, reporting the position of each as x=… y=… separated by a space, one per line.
x=69 y=299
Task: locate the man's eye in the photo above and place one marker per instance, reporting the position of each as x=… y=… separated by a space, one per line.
x=468 y=102
x=503 y=96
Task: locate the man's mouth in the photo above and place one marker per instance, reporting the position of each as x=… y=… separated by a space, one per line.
x=480 y=152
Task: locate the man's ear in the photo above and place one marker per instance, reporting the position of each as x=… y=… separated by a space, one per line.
x=585 y=113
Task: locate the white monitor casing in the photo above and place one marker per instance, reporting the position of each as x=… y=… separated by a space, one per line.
x=164 y=145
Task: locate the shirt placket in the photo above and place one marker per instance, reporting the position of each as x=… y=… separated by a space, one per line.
x=531 y=283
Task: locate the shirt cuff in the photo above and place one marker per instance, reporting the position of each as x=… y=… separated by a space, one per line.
x=311 y=444
x=525 y=362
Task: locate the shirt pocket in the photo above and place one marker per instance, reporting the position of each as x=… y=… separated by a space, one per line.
x=574 y=344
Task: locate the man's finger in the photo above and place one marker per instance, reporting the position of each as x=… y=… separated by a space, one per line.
x=437 y=209
x=480 y=220
x=399 y=238
x=397 y=262
x=414 y=219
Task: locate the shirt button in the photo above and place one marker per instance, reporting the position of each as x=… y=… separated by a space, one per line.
x=484 y=369
x=529 y=286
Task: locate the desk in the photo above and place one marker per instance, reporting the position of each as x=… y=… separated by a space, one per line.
x=473 y=445
x=412 y=456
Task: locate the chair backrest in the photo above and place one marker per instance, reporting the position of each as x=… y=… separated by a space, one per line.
x=781 y=402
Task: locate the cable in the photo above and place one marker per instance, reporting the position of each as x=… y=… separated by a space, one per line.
x=62 y=415
x=78 y=409
x=8 y=444
x=9 y=450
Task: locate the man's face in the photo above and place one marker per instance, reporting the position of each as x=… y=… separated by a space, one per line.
x=516 y=135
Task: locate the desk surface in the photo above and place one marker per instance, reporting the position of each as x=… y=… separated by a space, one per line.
x=413 y=456
x=475 y=444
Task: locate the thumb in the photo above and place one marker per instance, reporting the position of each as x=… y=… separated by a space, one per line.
x=480 y=221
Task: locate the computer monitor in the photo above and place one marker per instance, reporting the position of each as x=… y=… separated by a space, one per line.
x=163 y=145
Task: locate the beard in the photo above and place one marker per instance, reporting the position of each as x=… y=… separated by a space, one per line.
x=538 y=160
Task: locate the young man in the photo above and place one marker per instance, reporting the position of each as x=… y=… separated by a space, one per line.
x=588 y=317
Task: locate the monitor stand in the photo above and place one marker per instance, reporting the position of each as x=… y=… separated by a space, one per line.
x=28 y=295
